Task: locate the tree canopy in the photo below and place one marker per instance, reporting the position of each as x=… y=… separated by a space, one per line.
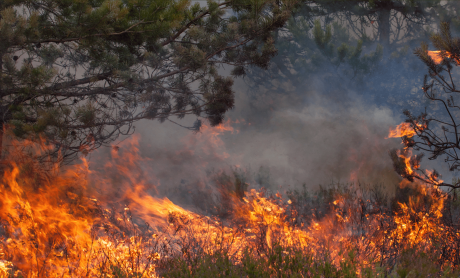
x=82 y=72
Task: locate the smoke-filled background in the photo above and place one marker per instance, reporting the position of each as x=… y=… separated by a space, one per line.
x=309 y=119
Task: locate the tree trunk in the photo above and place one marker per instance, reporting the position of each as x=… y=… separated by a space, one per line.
x=384 y=28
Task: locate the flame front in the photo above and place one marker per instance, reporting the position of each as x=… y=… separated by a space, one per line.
x=85 y=223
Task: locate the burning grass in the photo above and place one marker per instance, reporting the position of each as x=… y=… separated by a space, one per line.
x=81 y=222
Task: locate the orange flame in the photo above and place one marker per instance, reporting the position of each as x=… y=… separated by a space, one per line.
x=437 y=58
x=404 y=129
x=83 y=223
x=209 y=141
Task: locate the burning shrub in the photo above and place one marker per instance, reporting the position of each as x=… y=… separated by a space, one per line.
x=67 y=223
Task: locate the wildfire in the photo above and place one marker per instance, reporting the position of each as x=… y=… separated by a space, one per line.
x=436 y=56
x=208 y=139
x=410 y=161
x=108 y=220
x=405 y=129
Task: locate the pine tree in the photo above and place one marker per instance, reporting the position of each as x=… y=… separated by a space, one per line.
x=82 y=72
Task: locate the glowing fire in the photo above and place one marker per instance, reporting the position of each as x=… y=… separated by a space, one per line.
x=405 y=129
x=208 y=139
x=410 y=161
x=82 y=222
x=67 y=225
x=436 y=56
x=412 y=223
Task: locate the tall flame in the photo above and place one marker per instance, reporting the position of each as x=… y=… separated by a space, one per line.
x=92 y=220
